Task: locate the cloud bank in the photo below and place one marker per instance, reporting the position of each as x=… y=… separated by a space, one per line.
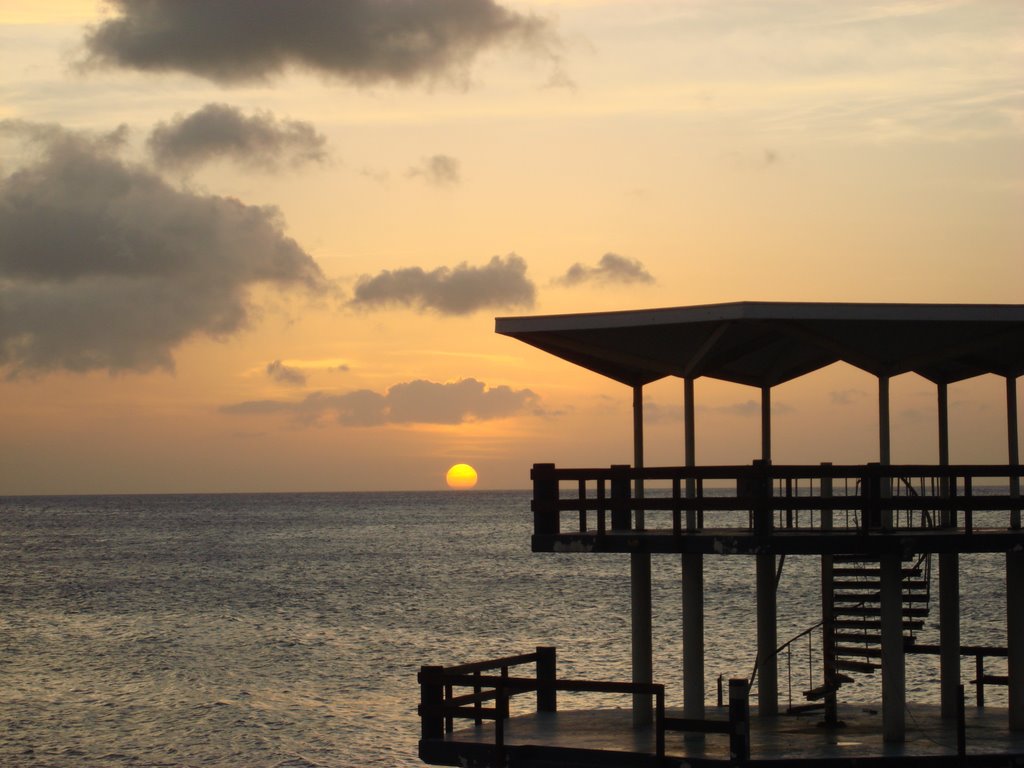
x=612 y=268
x=501 y=283
x=103 y=265
x=361 y=41
x=413 y=402
x=222 y=131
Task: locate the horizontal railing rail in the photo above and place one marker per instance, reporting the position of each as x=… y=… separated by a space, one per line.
x=765 y=497
x=439 y=705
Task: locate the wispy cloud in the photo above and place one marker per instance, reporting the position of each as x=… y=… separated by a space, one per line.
x=413 y=402
x=286 y=374
x=439 y=170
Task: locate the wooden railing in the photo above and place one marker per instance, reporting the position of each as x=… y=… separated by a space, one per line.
x=440 y=706
x=763 y=497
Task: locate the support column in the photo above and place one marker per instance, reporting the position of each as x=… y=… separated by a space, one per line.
x=640 y=582
x=894 y=688
x=1014 y=577
x=767 y=630
x=693 y=584
x=949 y=586
x=693 y=636
x=893 y=673
x=828 y=617
x=1015 y=638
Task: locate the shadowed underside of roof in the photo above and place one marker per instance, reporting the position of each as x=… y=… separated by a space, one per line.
x=767 y=343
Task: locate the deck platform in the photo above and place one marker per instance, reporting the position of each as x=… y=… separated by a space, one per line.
x=735 y=541
x=605 y=738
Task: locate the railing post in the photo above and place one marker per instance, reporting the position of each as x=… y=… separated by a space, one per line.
x=760 y=488
x=659 y=722
x=547 y=696
x=961 y=725
x=739 y=721
x=431 y=702
x=620 y=498
x=871 y=490
x=979 y=678
x=545 y=500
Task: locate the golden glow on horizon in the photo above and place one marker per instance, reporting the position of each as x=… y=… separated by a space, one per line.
x=461 y=477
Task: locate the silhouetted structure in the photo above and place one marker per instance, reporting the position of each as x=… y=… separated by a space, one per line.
x=875 y=527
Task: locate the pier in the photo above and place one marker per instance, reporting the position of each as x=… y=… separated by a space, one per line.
x=879 y=530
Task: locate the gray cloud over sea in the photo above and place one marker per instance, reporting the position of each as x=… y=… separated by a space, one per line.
x=500 y=283
x=104 y=265
x=221 y=131
x=360 y=41
x=612 y=268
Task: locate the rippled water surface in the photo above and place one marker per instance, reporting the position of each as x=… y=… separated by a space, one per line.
x=286 y=630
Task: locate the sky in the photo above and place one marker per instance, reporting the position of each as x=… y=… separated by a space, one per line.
x=257 y=245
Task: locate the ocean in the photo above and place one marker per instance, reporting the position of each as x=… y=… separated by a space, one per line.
x=286 y=630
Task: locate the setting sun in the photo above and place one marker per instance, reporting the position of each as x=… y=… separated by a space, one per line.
x=461 y=476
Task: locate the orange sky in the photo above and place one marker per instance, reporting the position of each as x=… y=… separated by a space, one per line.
x=282 y=274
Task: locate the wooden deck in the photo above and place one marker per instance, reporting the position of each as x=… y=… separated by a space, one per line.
x=605 y=738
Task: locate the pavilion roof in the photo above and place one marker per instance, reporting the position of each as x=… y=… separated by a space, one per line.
x=766 y=343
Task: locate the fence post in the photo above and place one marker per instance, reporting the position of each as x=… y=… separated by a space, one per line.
x=431 y=702
x=979 y=679
x=620 y=498
x=545 y=500
x=739 y=721
x=547 y=696
x=871 y=490
x=961 y=724
x=760 y=487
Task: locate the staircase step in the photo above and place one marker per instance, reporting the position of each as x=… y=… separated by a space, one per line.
x=857 y=666
x=816 y=694
x=874 y=624
x=857 y=637
x=875 y=597
x=868 y=610
x=850 y=650
x=866 y=559
x=873 y=572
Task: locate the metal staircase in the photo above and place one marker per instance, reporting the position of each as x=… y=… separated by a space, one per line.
x=856 y=606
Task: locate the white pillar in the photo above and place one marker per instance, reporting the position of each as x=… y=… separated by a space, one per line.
x=693 y=585
x=640 y=582
x=767 y=630
x=949 y=586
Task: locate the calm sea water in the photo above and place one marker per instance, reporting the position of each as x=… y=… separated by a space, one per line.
x=286 y=630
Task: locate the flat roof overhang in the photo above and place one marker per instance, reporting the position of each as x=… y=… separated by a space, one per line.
x=763 y=344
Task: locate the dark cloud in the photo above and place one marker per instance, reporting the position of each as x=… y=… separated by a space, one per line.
x=439 y=169
x=612 y=268
x=413 y=402
x=222 y=131
x=285 y=374
x=361 y=41
x=502 y=282
x=103 y=265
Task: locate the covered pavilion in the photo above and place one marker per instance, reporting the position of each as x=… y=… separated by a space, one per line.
x=764 y=344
